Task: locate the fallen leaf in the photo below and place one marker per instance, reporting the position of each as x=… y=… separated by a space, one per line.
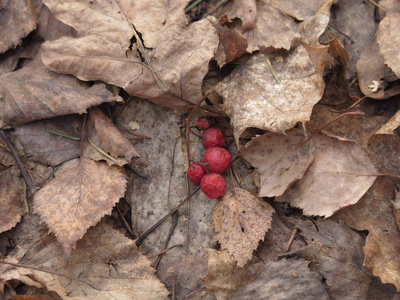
x=10 y=200
x=246 y=10
x=224 y=278
x=252 y=96
x=280 y=160
x=396 y=208
x=34 y=93
x=300 y=10
x=104 y=265
x=388 y=39
x=58 y=149
x=18 y=19
x=102 y=131
x=374 y=212
x=240 y=221
x=164 y=60
x=284 y=279
x=78 y=198
x=390 y=126
x=339 y=176
x=336 y=252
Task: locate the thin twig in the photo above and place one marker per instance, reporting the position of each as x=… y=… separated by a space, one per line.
x=24 y=173
x=164 y=251
x=142 y=136
x=65 y=135
x=101 y=151
x=25 y=199
x=143 y=236
x=377 y=5
x=350 y=107
x=271 y=69
x=289 y=244
x=128 y=228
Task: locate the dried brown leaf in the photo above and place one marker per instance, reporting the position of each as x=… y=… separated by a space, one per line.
x=34 y=93
x=10 y=200
x=224 y=278
x=301 y=9
x=58 y=149
x=284 y=279
x=339 y=176
x=246 y=10
x=18 y=19
x=165 y=63
x=388 y=38
x=78 y=198
x=280 y=160
x=241 y=220
x=390 y=126
x=104 y=265
x=102 y=131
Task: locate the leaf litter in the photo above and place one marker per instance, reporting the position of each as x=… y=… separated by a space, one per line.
x=255 y=247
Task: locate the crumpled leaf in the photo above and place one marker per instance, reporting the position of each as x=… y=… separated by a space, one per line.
x=339 y=176
x=390 y=126
x=18 y=18
x=280 y=160
x=10 y=200
x=388 y=38
x=284 y=279
x=301 y=9
x=78 y=198
x=253 y=98
x=246 y=10
x=336 y=252
x=104 y=265
x=374 y=212
x=104 y=134
x=163 y=60
x=224 y=278
x=241 y=220
x=34 y=93
x=58 y=149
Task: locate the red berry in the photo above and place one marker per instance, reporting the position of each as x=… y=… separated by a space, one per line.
x=213 y=185
x=195 y=172
x=213 y=137
x=203 y=123
x=216 y=159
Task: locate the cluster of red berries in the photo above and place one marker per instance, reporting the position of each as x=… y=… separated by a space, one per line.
x=215 y=161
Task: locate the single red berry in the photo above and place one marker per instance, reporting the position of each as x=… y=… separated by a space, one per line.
x=203 y=123
x=213 y=137
x=195 y=172
x=216 y=159
x=213 y=185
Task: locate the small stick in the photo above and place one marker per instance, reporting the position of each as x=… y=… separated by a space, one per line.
x=65 y=135
x=350 y=107
x=271 y=69
x=142 y=136
x=101 y=151
x=377 y=5
x=143 y=236
x=165 y=251
x=128 y=228
x=290 y=242
x=24 y=173
x=25 y=198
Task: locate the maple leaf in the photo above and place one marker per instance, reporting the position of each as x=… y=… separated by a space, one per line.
x=78 y=198
x=163 y=60
x=241 y=220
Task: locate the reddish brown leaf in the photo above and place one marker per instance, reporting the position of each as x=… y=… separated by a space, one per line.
x=34 y=93
x=241 y=220
x=78 y=198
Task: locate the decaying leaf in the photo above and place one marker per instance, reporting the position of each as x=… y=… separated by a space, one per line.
x=246 y=10
x=78 y=198
x=284 y=279
x=104 y=134
x=18 y=19
x=104 y=265
x=374 y=212
x=300 y=10
x=388 y=38
x=224 y=278
x=58 y=149
x=396 y=208
x=339 y=176
x=253 y=97
x=10 y=200
x=390 y=126
x=34 y=93
x=163 y=60
x=241 y=220
x=280 y=160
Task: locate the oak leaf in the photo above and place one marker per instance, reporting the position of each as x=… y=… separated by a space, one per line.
x=163 y=60
x=241 y=220
x=78 y=198
x=339 y=176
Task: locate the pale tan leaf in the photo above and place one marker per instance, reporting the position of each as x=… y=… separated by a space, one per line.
x=339 y=176
x=390 y=126
x=279 y=159
x=224 y=278
x=284 y=279
x=10 y=200
x=301 y=9
x=388 y=38
x=166 y=62
x=78 y=198
x=246 y=10
x=104 y=265
x=241 y=220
